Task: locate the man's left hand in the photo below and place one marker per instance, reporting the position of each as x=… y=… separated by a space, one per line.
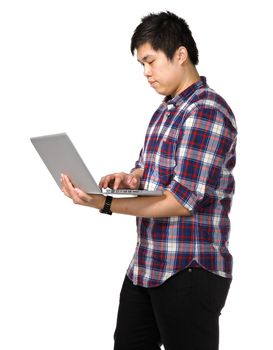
x=80 y=197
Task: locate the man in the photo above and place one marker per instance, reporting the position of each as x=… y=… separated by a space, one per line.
x=179 y=277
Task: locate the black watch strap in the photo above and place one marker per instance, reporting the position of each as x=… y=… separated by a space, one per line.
x=107 y=206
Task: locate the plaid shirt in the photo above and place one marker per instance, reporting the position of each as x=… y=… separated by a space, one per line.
x=189 y=150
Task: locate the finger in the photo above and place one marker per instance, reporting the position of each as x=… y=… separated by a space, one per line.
x=103 y=182
x=117 y=182
x=65 y=191
x=107 y=181
x=131 y=181
x=69 y=190
x=65 y=186
x=77 y=196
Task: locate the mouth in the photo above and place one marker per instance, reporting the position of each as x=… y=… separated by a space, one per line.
x=152 y=82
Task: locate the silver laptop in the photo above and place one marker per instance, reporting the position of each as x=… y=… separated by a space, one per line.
x=60 y=156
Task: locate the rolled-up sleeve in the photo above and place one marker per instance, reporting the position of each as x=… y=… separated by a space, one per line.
x=139 y=163
x=205 y=139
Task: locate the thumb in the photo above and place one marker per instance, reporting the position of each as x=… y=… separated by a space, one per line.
x=131 y=180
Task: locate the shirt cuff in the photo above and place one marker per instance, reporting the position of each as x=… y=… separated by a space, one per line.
x=183 y=195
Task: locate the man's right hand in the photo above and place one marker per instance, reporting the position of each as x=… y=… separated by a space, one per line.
x=122 y=180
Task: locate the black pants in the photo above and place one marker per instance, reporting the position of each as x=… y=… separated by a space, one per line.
x=183 y=313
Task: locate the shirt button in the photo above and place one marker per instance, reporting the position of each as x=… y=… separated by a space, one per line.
x=190 y=270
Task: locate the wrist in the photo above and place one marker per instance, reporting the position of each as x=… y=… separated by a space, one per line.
x=100 y=203
x=96 y=201
x=137 y=172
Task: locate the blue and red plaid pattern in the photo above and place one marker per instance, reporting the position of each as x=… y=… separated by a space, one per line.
x=189 y=150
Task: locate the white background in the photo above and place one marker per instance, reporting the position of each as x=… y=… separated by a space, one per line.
x=66 y=66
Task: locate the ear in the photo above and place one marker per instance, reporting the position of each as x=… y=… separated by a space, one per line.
x=182 y=54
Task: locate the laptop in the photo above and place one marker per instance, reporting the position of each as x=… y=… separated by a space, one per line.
x=60 y=156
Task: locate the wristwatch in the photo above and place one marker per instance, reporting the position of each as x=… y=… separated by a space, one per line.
x=107 y=206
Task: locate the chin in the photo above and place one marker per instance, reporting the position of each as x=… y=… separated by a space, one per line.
x=161 y=92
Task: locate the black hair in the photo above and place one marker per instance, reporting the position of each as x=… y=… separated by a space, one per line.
x=165 y=31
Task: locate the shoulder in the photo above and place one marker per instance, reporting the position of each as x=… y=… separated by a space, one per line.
x=209 y=105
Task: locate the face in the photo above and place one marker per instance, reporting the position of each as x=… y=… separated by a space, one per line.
x=164 y=75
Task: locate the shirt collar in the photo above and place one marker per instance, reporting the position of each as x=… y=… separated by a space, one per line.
x=185 y=94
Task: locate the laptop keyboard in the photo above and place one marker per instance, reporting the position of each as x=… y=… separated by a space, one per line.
x=122 y=191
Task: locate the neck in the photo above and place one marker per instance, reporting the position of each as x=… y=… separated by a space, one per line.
x=190 y=76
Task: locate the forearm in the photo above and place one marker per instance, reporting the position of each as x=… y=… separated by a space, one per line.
x=163 y=206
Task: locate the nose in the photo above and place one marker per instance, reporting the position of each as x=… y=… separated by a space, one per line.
x=147 y=70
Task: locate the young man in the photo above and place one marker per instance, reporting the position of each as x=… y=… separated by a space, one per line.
x=179 y=277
